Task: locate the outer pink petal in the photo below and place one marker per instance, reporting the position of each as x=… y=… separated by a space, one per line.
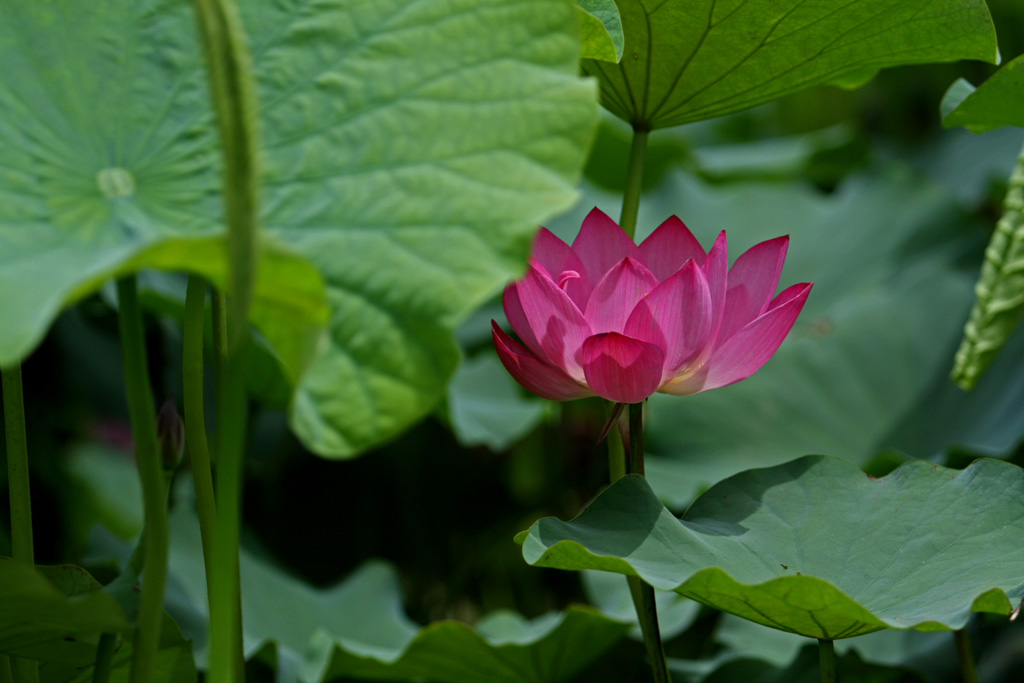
x=517 y=318
x=601 y=244
x=752 y=282
x=617 y=294
x=621 y=368
x=669 y=247
x=533 y=373
x=746 y=351
x=557 y=257
x=716 y=272
x=676 y=317
x=556 y=323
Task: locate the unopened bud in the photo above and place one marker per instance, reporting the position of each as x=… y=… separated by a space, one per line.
x=170 y=432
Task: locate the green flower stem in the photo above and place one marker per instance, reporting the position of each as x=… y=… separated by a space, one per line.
x=5 y=670
x=104 y=658
x=195 y=415
x=643 y=594
x=634 y=182
x=827 y=660
x=616 y=451
x=225 y=593
x=219 y=313
x=233 y=90
x=22 y=546
x=963 y=652
x=147 y=454
x=17 y=466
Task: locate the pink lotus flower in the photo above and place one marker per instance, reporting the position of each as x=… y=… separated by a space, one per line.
x=608 y=317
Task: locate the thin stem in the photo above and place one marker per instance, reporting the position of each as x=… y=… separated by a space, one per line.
x=963 y=652
x=219 y=313
x=225 y=596
x=233 y=91
x=22 y=545
x=827 y=659
x=643 y=594
x=104 y=658
x=634 y=182
x=147 y=455
x=17 y=466
x=616 y=452
x=195 y=415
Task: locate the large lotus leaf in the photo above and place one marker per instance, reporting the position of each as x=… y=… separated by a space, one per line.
x=865 y=369
x=814 y=546
x=359 y=629
x=997 y=102
x=688 y=60
x=109 y=166
x=487 y=407
x=54 y=614
x=410 y=150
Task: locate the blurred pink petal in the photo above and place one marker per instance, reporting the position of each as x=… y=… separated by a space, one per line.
x=555 y=322
x=601 y=244
x=752 y=283
x=745 y=352
x=621 y=368
x=561 y=263
x=537 y=376
x=669 y=247
x=676 y=317
x=617 y=294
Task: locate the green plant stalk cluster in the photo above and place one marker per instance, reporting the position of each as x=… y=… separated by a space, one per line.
x=999 y=305
x=156 y=532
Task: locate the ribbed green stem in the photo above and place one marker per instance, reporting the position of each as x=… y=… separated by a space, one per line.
x=963 y=652
x=195 y=414
x=22 y=545
x=17 y=466
x=233 y=90
x=154 y=497
x=104 y=658
x=634 y=182
x=643 y=594
x=827 y=660
x=225 y=596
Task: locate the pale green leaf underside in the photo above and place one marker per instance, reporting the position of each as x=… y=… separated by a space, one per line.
x=600 y=30
x=997 y=102
x=411 y=149
x=814 y=546
x=689 y=60
x=358 y=627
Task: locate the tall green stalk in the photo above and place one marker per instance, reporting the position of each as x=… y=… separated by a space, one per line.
x=968 y=671
x=195 y=414
x=827 y=660
x=643 y=594
x=634 y=182
x=154 y=498
x=22 y=545
x=104 y=658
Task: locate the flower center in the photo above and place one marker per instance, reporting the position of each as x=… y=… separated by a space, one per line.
x=566 y=276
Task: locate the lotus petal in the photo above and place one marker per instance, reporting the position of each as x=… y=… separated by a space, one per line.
x=752 y=283
x=534 y=374
x=555 y=322
x=621 y=368
x=669 y=247
x=617 y=294
x=602 y=243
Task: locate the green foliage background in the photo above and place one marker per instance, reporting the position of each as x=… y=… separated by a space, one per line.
x=889 y=215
